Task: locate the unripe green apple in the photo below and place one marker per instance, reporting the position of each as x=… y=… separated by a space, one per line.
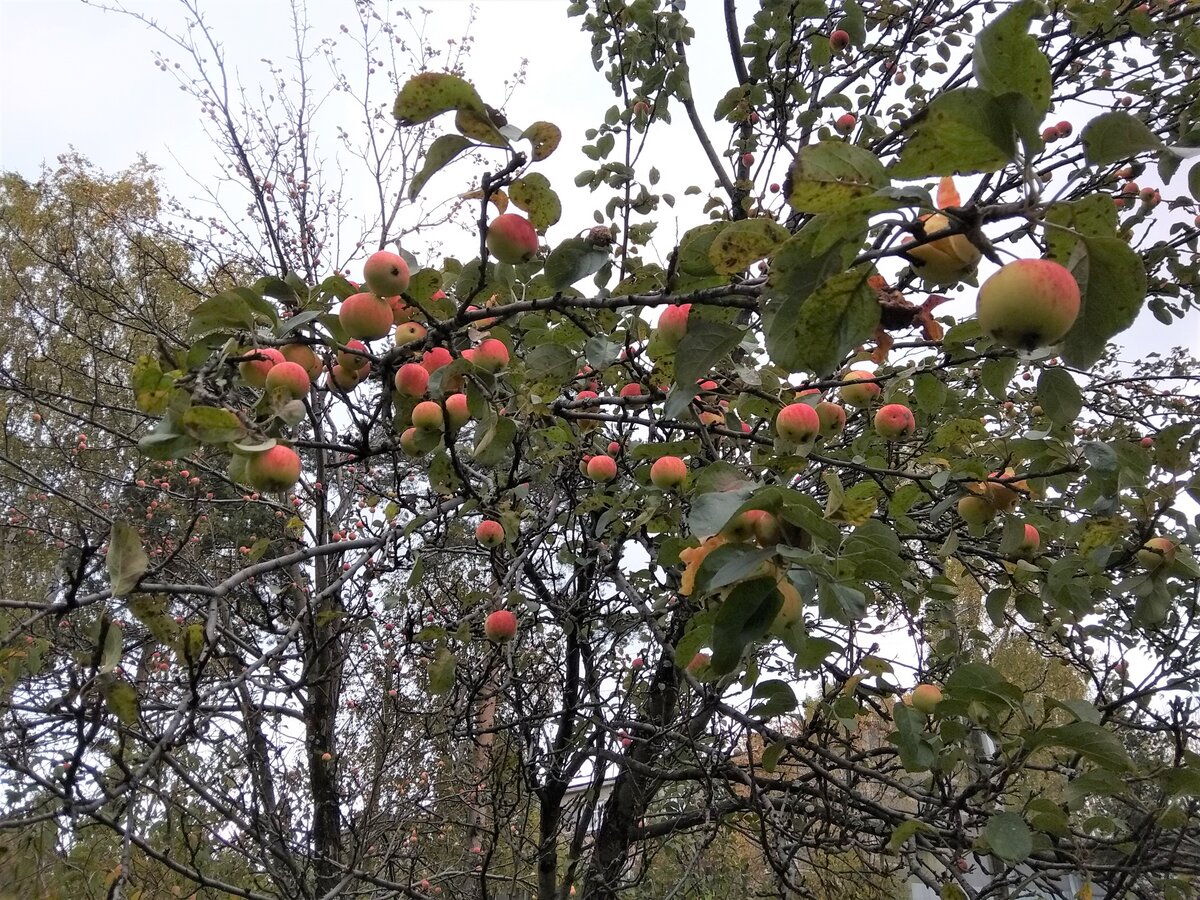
x=975 y=510
x=602 y=468
x=894 y=421
x=500 y=626
x=673 y=322
x=926 y=697
x=856 y=391
x=1157 y=552
x=792 y=608
x=1028 y=303
x=489 y=533
x=254 y=371
x=427 y=415
x=412 y=379
x=410 y=333
x=408 y=442
x=668 y=472
x=512 y=239
x=798 y=423
x=276 y=469
x=289 y=378
x=386 y=274
x=365 y=316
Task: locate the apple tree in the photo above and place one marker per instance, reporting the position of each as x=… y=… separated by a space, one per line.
x=827 y=530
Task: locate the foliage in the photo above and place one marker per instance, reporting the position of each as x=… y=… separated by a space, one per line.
x=291 y=695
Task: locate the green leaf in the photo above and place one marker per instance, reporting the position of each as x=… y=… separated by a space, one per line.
x=125 y=561
x=236 y=309
x=495 y=443
x=430 y=94
x=1194 y=182
x=212 y=425
x=441 y=671
x=1112 y=281
x=996 y=374
x=551 y=362
x=825 y=177
x=533 y=194
x=902 y=832
x=814 y=332
x=122 y=700
x=440 y=153
x=704 y=345
x=711 y=511
x=151 y=388
x=961 y=131
x=744 y=616
x=1008 y=836
x=545 y=137
x=873 y=549
x=1059 y=395
x=1090 y=741
x=479 y=126
x=979 y=682
x=694 y=246
x=740 y=244
x=772 y=698
x=1007 y=58
x=572 y=260
x=841 y=602
x=1114 y=136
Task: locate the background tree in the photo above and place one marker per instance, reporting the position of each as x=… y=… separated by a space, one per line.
x=312 y=706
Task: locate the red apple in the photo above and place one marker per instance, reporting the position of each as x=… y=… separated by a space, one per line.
x=1157 y=552
x=412 y=379
x=926 y=697
x=457 y=411
x=832 y=417
x=408 y=442
x=491 y=355
x=490 y=533
x=1030 y=542
x=436 y=357
x=366 y=316
x=602 y=468
x=427 y=415
x=1028 y=303
x=672 y=323
x=668 y=472
x=500 y=626
x=839 y=40
x=352 y=362
x=386 y=274
x=289 y=378
x=698 y=662
x=844 y=124
x=346 y=379
x=254 y=371
x=276 y=469
x=512 y=239
x=798 y=423
x=895 y=421
x=304 y=355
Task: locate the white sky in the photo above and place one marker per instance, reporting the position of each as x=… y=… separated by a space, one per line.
x=72 y=75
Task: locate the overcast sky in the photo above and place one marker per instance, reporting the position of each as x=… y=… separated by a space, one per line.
x=73 y=75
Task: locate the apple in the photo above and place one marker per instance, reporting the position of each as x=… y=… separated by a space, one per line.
x=254 y=371
x=412 y=379
x=276 y=469
x=672 y=323
x=345 y=379
x=798 y=423
x=408 y=442
x=491 y=355
x=490 y=533
x=500 y=626
x=976 y=510
x=1147 y=442
x=305 y=356
x=926 y=697
x=792 y=608
x=633 y=389
x=602 y=468
x=366 y=316
x=401 y=311
x=410 y=333
x=895 y=421
x=668 y=472
x=1030 y=542
x=1157 y=552
x=1049 y=135
x=386 y=274
x=765 y=527
x=1003 y=495
x=944 y=261
x=856 y=393
x=457 y=411
x=839 y=40
x=832 y=417
x=353 y=362
x=1028 y=303
x=512 y=239
x=844 y=124
x=747 y=159
x=289 y=378
x=1064 y=128
x=698 y=662
x=427 y=415
x=436 y=357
